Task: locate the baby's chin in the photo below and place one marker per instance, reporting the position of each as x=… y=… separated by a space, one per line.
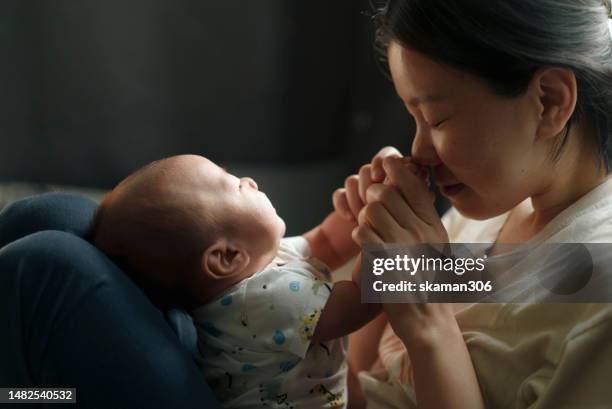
x=282 y=228
x=271 y=230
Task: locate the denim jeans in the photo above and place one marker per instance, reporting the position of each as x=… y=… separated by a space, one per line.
x=71 y=318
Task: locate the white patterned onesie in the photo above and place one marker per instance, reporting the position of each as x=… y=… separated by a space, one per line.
x=254 y=339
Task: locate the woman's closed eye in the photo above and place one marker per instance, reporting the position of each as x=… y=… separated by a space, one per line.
x=437 y=125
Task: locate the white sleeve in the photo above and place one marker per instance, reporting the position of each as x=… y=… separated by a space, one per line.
x=581 y=379
x=297 y=246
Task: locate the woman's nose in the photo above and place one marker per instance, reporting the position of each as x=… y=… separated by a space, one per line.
x=250 y=182
x=423 y=151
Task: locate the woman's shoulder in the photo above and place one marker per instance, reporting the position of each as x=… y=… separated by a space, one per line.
x=588 y=220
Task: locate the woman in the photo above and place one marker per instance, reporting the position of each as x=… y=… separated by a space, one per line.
x=512 y=102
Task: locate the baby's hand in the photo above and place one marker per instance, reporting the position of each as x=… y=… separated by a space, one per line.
x=418 y=170
x=379 y=174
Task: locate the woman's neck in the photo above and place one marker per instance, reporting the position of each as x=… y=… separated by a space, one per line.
x=575 y=174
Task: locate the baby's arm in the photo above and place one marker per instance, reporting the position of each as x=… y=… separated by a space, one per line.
x=331 y=241
x=344 y=313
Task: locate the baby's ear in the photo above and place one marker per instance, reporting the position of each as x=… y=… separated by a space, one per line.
x=223 y=260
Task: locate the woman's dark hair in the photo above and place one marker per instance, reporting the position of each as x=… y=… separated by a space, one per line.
x=504 y=42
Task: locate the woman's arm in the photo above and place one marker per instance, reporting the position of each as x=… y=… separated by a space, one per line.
x=401 y=211
x=444 y=377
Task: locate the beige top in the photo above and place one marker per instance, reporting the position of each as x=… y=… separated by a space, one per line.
x=525 y=355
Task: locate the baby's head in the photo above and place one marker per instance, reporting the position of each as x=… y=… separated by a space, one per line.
x=186 y=230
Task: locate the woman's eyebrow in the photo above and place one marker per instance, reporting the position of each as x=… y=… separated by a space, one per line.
x=415 y=101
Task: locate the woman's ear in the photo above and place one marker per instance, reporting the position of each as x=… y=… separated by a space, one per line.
x=557 y=93
x=223 y=260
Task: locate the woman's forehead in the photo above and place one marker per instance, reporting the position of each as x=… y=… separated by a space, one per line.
x=419 y=79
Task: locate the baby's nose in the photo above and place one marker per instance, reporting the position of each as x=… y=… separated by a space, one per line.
x=250 y=182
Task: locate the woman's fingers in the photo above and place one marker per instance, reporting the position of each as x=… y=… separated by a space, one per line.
x=383 y=224
x=363 y=234
x=352 y=194
x=395 y=204
x=341 y=204
x=365 y=180
x=378 y=172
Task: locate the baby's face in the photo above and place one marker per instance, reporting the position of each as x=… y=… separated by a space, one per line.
x=195 y=204
x=235 y=202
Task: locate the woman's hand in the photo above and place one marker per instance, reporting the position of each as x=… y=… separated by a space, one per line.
x=332 y=241
x=350 y=199
x=401 y=209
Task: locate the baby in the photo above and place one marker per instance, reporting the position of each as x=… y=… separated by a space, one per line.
x=272 y=327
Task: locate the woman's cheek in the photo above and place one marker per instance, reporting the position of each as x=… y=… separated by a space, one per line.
x=455 y=154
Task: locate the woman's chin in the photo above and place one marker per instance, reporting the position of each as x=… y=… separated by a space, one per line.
x=472 y=207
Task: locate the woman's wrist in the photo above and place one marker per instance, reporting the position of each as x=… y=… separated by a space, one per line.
x=444 y=376
x=428 y=333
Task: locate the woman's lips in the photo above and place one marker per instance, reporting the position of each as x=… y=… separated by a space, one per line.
x=451 y=190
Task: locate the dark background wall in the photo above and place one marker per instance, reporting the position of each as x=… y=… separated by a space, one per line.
x=285 y=91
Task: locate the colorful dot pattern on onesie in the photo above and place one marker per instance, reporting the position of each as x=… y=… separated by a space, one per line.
x=259 y=335
x=279 y=338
